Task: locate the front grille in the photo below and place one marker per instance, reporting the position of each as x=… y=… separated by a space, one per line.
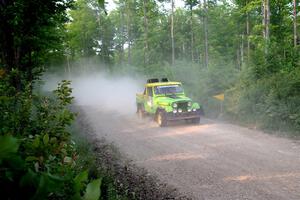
x=183 y=106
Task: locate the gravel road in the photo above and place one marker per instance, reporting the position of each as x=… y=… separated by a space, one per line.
x=212 y=160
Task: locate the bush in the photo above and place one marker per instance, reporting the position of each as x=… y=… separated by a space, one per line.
x=271 y=102
x=37 y=155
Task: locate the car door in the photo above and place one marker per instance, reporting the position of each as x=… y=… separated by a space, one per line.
x=149 y=99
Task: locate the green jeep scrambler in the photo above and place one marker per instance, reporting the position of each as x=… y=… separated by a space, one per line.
x=167 y=102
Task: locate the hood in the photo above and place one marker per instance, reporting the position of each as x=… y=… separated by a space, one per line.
x=172 y=99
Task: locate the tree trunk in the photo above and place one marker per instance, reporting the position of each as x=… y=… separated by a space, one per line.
x=145 y=3
x=266 y=23
x=295 y=23
x=248 y=37
x=192 y=34
x=238 y=59
x=242 y=52
x=10 y=53
x=267 y=9
x=69 y=68
x=122 y=33
x=205 y=35
x=263 y=18
x=128 y=24
x=172 y=32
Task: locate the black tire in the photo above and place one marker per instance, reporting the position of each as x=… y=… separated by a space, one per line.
x=161 y=119
x=140 y=111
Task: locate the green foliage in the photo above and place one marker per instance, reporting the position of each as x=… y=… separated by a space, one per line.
x=40 y=158
x=271 y=102
x=92 y=190
x=242 y=63
x=79 y=181
x=256 y=75
x=203 y=84
x=8 y=145
x=90 y=33
x=83 y=30
x=30 y=33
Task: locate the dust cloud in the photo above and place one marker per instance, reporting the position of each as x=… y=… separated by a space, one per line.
x=101 y=90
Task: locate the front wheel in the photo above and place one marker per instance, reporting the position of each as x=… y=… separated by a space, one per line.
x=161 y=119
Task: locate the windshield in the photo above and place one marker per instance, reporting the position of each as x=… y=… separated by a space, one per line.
x=168 y=89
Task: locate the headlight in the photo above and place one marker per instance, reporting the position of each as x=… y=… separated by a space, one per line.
x=189 y=104
x=174 y=105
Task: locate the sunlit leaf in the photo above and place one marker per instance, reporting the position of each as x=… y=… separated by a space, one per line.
x=93 y=190
x=46 y=139
x=79 y=180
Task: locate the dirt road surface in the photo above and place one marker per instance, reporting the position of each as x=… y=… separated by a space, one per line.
x=212 y=160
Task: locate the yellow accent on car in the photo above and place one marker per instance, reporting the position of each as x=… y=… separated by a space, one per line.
x=162 y=84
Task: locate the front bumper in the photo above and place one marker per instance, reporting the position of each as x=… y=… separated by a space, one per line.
x=183 y=115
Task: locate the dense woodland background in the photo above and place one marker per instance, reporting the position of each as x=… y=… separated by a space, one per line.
x=247 y=49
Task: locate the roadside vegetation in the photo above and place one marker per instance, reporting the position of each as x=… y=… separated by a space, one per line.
x=41 y=156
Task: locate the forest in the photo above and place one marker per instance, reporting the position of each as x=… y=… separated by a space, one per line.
x=248 y=50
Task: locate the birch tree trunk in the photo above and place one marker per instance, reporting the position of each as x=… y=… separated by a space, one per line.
x=248 y=37
x=295 y=23
x=172 y=32
x=263 y=18
x=242 y=51
x=267 y=10
x=128 y=24
x=266 y=23
x=122 y=33
x=192 y=34
x=238 y=59
x=146 y=46
x=205 y=34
